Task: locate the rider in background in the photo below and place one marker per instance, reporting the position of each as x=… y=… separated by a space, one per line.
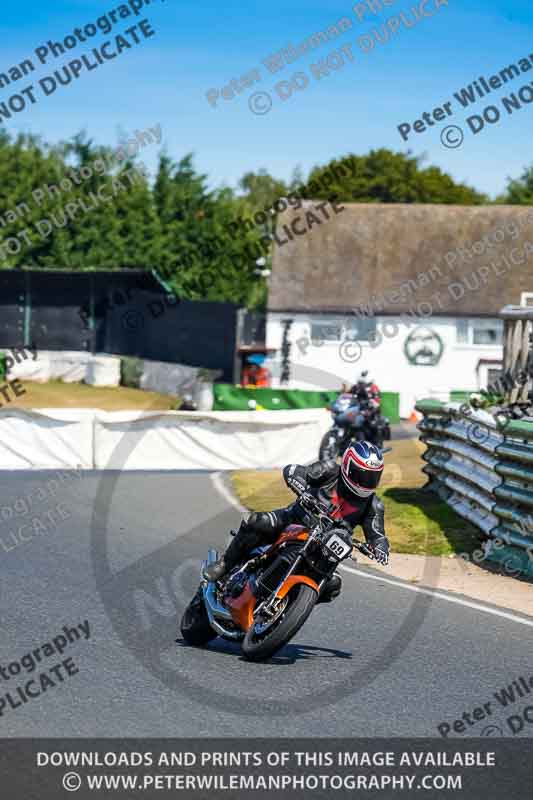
x=255 y=373
x=349 y=492
x=367 y=390
x=365 y=394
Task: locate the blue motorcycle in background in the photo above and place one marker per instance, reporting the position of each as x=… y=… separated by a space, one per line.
x=353 y=419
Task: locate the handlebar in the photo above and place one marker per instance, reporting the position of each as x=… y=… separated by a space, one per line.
x=363 y=548
x=311 y=503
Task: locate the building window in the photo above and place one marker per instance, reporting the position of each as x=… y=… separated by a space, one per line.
x=360 y=330
x=350 y=329
x=489 y=332
x=326 y=330
x=461 y=329
x=484 y=332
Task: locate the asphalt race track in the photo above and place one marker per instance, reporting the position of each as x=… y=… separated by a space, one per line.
x=380 y=661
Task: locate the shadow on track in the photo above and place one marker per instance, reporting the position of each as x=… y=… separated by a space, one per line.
x=289 y=654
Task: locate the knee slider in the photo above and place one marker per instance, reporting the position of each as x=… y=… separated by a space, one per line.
x=251 y=520
x=259 y=522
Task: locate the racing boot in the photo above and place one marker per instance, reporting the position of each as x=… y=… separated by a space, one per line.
x=216 y=570
x=242 y=543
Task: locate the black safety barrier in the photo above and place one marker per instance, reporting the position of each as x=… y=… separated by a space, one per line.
x=126 y=312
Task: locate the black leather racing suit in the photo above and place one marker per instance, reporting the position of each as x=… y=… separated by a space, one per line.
x=320 y=479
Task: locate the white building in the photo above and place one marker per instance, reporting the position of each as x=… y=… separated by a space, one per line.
x=410 y=292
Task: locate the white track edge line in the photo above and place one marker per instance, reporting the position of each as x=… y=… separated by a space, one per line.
x=442 y=596
x=222 y=489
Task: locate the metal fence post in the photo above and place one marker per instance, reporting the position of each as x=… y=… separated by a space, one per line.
x=27 y=309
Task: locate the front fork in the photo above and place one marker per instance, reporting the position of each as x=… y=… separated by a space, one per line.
x=285 y=585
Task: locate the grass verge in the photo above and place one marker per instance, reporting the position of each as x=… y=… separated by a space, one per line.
x=56 y=394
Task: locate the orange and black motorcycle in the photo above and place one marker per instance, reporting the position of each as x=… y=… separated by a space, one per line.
x=264 y=602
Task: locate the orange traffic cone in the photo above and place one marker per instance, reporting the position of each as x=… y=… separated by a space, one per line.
x=415 y=416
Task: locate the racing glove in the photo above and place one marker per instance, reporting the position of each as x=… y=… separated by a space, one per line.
x=380 y=549
x=295 y=478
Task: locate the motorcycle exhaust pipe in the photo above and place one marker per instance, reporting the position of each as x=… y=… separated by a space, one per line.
x=214 y=608
x=212 y=604
x=216 y=612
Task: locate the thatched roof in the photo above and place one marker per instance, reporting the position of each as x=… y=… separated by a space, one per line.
x=398 y=255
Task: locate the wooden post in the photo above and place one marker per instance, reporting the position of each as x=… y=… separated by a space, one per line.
x=517 y=344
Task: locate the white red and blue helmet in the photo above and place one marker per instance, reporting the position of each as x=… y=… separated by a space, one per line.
x=361 y=469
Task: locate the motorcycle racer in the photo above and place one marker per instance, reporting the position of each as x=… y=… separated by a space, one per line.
x=348 y=490
x=367 y=390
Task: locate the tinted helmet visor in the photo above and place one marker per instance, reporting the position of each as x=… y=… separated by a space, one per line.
x=365 y=478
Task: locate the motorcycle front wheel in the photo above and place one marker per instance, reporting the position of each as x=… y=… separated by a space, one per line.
x=378 y=439
x=263 y=640
x=329 y=447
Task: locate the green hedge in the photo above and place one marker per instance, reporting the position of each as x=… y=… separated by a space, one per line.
x=236 y=398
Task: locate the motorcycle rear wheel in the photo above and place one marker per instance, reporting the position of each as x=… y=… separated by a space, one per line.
x=195 y=627
x=260 y=646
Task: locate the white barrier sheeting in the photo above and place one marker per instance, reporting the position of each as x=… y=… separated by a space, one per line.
x=68 y=366
x=103 y=371
x=176 y=440
x=212 y=440
x=46 y=439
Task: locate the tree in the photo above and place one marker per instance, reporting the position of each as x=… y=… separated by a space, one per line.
x=65 y=221
x=519 y=191
x=260 y=190
x=203 y=257
x=386 y=177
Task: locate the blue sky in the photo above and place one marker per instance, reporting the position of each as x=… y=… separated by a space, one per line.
x=201 y=46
